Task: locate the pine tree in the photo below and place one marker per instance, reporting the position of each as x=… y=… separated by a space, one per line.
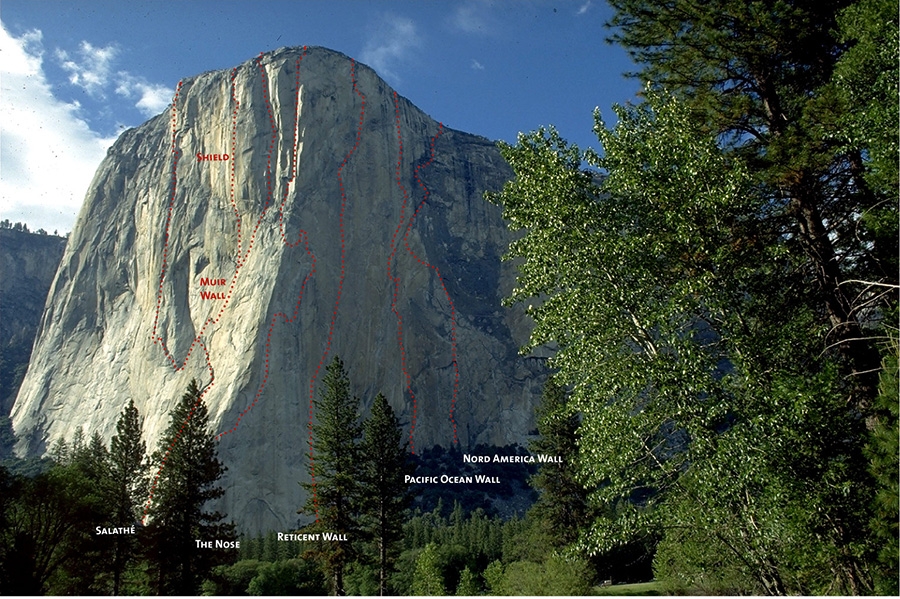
x=335 y=496
x=128 y=485
x=563 y=502
x=59 y=453
x=188 y=471
x=761 y=74
x=384 y=494
x=89 y=466
x=47 y=540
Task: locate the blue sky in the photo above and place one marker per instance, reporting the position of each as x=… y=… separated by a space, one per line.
x=74 y=74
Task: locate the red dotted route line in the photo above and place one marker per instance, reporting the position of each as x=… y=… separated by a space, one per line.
x=176 y=154
x=337 y=301
x=395 y=280
x=437 y=272
x=234 y=113
x=174 y=181
x=301 y=238
x=304 y=239
x=241 y=257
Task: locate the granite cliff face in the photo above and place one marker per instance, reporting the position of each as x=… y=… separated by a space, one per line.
x=278 y=214
x=28 y=262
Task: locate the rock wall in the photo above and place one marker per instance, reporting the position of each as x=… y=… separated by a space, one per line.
x=339 y=219
x=28 y=262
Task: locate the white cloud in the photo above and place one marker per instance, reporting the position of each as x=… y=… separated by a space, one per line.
x=92 y=72
x=152 y=98
x=474 y=17
x=390 y=44
x=48 y=154
x=465 y=18
x=584 y=7
x=477 y=66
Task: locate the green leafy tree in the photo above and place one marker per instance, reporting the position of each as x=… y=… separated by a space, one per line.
x=47 y=543
x=805 y=94
x=429 y=578
x=334 y=499
x=866 y=78
x=128 y=486
x=188 y=472
x=557 y=576
x=42 y=519
x=384 y=492
x=468 y=584
x=494 y=577
x=760 y=75
x=231 y=579
x=884 y=454
x=287 y=577
x=693 y=349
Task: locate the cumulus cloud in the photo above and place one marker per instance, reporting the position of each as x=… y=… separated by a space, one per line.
x=92 y=72
x=48 y=154
x=390 y=43
x=151 y=98
x=584 y=7
x=477 y=66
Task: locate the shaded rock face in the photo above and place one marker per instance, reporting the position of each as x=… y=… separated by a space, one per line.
x=28 y=262
x=289 y=210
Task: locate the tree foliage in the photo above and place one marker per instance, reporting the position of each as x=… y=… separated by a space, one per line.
x=428 y=579
x=128 y=486
x=47 y=533
x=188 y=470
x=866 y=78
x=384 y=492
x=883 y=451
x=468 y=584
x=562 y=505
x=334 y=499
x=47 y=540
x=709 y=292
x=287 y=577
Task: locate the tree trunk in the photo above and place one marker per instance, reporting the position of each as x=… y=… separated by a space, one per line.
x=863 y=360
x=339 y=580
x=382 y=554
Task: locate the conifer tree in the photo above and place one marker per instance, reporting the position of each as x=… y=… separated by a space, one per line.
x=47 y=540
x=128 y=485
x=334 y=499
x=563 y=502
x=761 y=75
x=385 y=494
x=88 y=467
x=189 y=469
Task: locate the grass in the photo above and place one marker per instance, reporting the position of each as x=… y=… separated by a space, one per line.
x=637 y=589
